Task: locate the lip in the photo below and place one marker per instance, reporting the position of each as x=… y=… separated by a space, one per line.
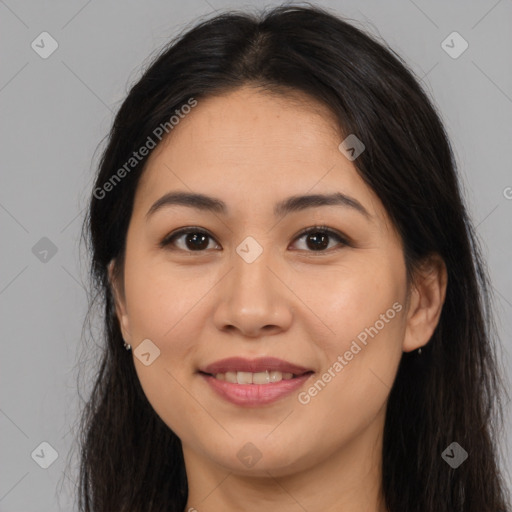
x=254 y=395
x=240 y=364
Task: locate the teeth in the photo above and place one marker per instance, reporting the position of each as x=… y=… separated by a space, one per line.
x=263 y=377
x=254 y=378
x=244 y=377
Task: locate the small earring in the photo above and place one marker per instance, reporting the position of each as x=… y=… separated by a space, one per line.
x=126 y=346
x=419 y=351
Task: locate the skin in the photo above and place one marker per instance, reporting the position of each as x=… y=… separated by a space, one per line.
x=252 y=149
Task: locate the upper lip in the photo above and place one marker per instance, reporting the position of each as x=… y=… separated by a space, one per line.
x=240 y=364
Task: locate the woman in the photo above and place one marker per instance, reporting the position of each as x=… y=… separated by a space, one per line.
x=296 y=312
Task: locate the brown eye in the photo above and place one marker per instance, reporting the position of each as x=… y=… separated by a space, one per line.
x=317 y=238
x=193 y=240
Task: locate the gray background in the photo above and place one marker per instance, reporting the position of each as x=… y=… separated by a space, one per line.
x=56 y=111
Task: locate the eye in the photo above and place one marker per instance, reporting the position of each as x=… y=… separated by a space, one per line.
x=196 y=239
x=317 y=238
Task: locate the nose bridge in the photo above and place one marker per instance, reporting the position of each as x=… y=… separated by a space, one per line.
x=252 y=279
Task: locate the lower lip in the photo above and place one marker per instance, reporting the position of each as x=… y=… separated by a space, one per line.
x=255 y=394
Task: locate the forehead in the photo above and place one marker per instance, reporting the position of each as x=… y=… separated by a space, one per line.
x=248 y=146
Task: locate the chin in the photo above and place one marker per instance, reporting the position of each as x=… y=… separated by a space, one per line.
x=261 y=458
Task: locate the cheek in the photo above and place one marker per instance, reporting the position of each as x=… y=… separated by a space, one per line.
x=163 y=306
x=363 y=308
x=352 y=297
x=160 y=298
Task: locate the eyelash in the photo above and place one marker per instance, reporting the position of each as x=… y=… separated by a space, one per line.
x=169 y=239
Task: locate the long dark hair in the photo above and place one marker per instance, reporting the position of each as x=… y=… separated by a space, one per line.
x=130 y=460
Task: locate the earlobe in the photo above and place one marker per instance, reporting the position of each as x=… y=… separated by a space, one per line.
x=119 y=301
x=427 y=299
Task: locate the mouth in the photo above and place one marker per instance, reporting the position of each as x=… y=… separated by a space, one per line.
x=266 y=377
x=256 y=382
x=263 y=370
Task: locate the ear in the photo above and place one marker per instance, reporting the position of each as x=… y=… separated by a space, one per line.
x=119 y=300
x=426 y=302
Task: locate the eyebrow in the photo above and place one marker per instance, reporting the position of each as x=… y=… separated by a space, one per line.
x=291 y=204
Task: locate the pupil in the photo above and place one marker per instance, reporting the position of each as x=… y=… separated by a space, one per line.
x=316 y=236
x=193 y=238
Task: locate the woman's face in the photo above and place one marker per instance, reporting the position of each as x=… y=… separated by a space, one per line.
x=254 y=287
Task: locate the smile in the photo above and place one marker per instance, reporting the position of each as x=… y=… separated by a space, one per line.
x=252 y=394
x=254 y=382
x=266 y=377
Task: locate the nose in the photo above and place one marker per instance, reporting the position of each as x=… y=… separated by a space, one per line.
x=253 y=299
